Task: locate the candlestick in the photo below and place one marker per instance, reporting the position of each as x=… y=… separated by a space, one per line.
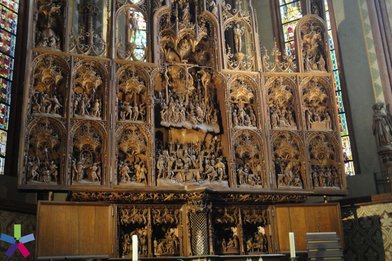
x=134 y=248
x=292 y=245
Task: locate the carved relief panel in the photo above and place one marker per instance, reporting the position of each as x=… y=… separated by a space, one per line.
x=227 y=228
x=187 y=34
x=325 y=163
x=134 y=221
x=49 y=93
x=45 y=151
x=133 y=154
x=167 y=232
x=89 y=94
x=312 y=43
x=238 y=32
x=133 y=95
x=250 y=165
x=256 y=230
x=131 y=31
x=243 y=103
x=283 y=103
x=88 y=159
x=289 y=160
x=317 y=104
x=188 y=99
x=191 y=157
x=49 y=31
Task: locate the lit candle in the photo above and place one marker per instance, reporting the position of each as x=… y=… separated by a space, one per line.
x=134 y=248
x=292 y=244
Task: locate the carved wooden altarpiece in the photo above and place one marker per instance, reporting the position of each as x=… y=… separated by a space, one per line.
x=168 y=109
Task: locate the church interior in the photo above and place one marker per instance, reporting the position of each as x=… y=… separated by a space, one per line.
x=196 y=129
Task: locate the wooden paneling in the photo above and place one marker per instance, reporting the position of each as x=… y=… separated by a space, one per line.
x=65 y=229
x=302 y=219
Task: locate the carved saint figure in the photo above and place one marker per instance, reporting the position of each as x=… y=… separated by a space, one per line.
x=238 y=31
x=382 y=126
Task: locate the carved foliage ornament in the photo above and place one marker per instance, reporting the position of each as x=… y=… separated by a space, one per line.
x=249 y=158
x=87 y=155
x=189 y=99
x=282 y=101
x=132 y=95
x=132 y=158
x=313 y=44
x=288 y=160
x=324 y=159
x=316 y=105
x=49 y=27
x=243 y=103
x=44 y=152
x=186 y=35
x=49 y=81
x=89 y=91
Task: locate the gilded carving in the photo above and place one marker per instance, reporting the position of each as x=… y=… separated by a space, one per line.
x=280 y=63
x=243 y=103
x=87 y=155
x=189 y=99
x=186 y=35
x=49 y=86
x=250 y=164
x=324 y=161
x=132 y=157
x=49 y=27
x=166 y=237
x=199 y=161
x=313 y=44
x=282 y=102
x=89 y=91
x=316 y=105
x=288 y=160
x=226 y=222
x=255 y=222
x=132 y=95
x=44 y=154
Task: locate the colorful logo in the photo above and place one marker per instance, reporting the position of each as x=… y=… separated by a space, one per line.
x=17 y=241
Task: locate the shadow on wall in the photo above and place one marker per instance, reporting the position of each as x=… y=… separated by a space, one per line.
x=360 y=95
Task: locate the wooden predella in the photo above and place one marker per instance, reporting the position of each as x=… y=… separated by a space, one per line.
x=169 y=107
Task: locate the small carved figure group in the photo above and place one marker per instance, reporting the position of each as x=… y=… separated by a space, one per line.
x=46 y=171
x=192 y=162
x=312 y=49
x=244 y=115
x=259 y=241
x=315 y=120
x=232 y=245
x=49 y=19
x=142 y=242
x=195 y=113
x=45 y=103
x=133 y=113
x=87 y=106
x=136 y=173
x=169 y=245
x=133 y=216
x=325 y=176
x=84 y=171
x=246 y=175
x=282 y=117
x=288 y=174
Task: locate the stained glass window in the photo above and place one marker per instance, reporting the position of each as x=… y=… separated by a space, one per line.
x=8 y=27
x=290 y=13
x=138 y=33
x=344 y=129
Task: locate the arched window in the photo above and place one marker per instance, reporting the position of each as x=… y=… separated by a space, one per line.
x=8 y=27
x=289 y=12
